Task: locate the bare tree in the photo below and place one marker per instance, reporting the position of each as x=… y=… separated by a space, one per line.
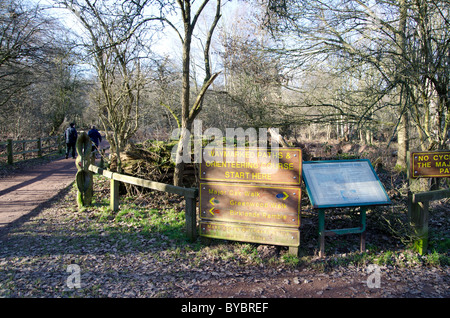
x=23 y=42
x=20 y=40
x=114 y=31
x=405 y=42
x=38 y=83
x=190 y=15
x=253 y=77
x=428 y=48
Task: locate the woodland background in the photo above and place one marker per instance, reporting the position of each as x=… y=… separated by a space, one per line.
x=369 y=72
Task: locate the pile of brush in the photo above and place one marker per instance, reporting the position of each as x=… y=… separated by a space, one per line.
x=151 y=160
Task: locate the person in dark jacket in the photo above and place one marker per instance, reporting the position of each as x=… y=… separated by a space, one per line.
x=71 y=138
x=95 y=137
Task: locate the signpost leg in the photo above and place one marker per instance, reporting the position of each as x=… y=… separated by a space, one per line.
x=322 y=232
x=191 y=220
x=293 y=250
x=363 y=227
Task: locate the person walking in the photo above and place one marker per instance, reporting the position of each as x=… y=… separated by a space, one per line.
x=95 y=136
x=71 y=138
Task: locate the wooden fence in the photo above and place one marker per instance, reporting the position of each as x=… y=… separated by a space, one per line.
x=190 y=194
x=17 y=150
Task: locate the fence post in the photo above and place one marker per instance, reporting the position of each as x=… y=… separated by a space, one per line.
x=102 y=160
x=114 y=201
x=39 y=145
x=59 y=143
x=10 y=152
x=84 y=177
x=419 y=223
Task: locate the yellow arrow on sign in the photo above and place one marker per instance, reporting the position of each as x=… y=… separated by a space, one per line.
x=282 y=196
x=211 y=210
x=212 y=201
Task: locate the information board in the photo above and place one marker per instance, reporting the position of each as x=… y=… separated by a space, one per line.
x=257 y=204
x=435 y=164
x=343 y=183
x=252 y=165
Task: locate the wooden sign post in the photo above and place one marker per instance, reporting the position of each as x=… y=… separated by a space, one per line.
x=255 y=197
x=430 y=164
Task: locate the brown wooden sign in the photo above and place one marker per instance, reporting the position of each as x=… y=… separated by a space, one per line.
x=252 y=165
x=250 y=233
x=256 y=204
x=251 y=195
x=428 y=164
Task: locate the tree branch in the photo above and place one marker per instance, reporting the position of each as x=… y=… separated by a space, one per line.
x=197 y=107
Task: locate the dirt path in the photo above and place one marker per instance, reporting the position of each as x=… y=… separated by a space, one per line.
x=23 y=192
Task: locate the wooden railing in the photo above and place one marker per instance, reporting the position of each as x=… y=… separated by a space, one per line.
x=17 y=150
x=190 y=194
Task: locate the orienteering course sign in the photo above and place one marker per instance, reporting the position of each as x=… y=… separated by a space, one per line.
x=265 y=205
x=253 y=165
x=251 y=233
x=251 y=195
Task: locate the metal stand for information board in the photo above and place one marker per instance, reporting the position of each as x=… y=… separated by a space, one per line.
x=357 y=230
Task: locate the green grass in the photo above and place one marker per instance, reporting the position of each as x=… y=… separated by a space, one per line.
x=171 y=223
x=167 y=224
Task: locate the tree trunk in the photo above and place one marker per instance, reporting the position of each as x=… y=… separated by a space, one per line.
x=185 y=94
x=403 y=140
x=179 y=166
x=403 y=136
x=187 y=115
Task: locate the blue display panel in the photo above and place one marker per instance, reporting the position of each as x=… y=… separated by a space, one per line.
x=343 y=183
